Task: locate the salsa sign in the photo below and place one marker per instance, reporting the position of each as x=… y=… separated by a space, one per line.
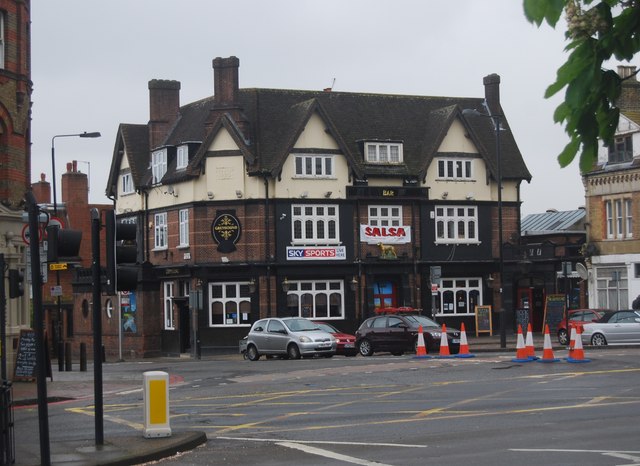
x=226 y=230
x=387 y=235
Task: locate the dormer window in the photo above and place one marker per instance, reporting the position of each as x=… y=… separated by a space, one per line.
x=455 y=169
x=158 y=165
x=383 y=152
x=621 y=150
x=182 y=157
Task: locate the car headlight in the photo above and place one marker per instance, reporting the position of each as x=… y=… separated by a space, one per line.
x=436 y=334
x=304 y=339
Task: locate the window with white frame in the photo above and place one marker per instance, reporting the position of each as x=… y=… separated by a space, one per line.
x=314 y=166
x=456 y=224
x=168 y=305
x=160 y=230
x=182 y=157
x=314 y=224
x=183 y=215
x=455 y=169
x=127 y=183
x=385 y=216
x=230 y=304
x=158 y=165
x=459 y=296
x=2 y=38
x=612 y=287
x=619 y=218
x=621 y=150
x=383 y=152
x=316 y=299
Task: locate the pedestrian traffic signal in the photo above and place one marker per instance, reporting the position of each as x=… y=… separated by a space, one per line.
x=122 y=255
x=62 y=244
x=16 y=283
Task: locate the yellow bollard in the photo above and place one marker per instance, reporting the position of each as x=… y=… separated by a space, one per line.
x=156 y=404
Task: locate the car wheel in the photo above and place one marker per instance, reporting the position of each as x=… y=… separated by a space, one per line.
x=598 y=339
x=252 y=353
x=293 y=351
x=365 y=348
x=562 y=336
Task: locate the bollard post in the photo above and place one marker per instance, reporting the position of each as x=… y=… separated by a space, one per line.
x=68 y=361
x=156 y=404
x=83 y=357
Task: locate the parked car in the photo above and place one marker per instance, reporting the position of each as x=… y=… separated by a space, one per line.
x=577 y=318
x=345 y=342
x=289 y=336
x=613 y=328
x=398 y=333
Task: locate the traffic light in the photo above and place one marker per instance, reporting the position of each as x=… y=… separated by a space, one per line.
x=122 y=255
x=62 y=244
x=16 y=283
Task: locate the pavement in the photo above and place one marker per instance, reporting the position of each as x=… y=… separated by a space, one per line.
x=120 y=447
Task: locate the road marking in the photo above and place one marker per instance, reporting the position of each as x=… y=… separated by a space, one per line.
x=625 y=455
x=329 y=454
x=323 y=442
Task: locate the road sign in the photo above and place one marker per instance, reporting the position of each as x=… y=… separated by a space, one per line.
x=58 y=266
x=434 y=288
x=56 y=290
x=26 y=234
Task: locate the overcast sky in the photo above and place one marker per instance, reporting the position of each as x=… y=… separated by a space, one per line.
x=92 y=60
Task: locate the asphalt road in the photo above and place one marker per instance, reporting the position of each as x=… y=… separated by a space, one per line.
x=388 y=410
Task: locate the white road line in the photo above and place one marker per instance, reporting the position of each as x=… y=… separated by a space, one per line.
x=321 y=442
x=625 y=455
x=329 y=454
x=128 y=392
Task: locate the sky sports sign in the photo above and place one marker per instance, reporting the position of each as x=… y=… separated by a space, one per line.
x=316 y=253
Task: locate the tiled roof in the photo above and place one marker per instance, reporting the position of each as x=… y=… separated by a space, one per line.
x=553 y=221
x=276 y=117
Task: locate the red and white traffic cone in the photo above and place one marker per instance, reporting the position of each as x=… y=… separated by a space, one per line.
x=577 y=355
x=547 y=352
x=421 y=348
x=464 y=345
x=444 y=344
x=521 y=351
x=531 y=351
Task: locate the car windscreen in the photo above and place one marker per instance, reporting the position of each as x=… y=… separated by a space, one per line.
x=326 y=327
x=300 y=325
x=422 y=320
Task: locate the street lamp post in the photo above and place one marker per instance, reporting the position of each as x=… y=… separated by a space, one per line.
x=94 y=134
x=496 y=119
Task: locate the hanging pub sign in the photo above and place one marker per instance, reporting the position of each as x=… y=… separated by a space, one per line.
x=387 y=235
x=225 y=230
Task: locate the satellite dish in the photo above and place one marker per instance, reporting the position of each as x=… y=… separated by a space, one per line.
x=582 y=271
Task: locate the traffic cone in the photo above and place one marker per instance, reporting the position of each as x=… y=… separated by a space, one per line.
x=464 y=345
x=531 y=351
x=421 y=349
x=521 y=351
x=547 y=352
x=577 y=355
x=572 y=341
x=444 y=344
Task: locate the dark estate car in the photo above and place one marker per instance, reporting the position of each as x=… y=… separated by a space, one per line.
x=398 y=333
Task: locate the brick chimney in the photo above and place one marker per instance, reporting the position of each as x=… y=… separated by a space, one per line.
x=492 y=92
x=164 y=108
x=226 y=90
x=629 y=99
x=42 y=190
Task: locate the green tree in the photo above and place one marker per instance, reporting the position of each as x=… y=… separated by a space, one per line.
x=597 y=31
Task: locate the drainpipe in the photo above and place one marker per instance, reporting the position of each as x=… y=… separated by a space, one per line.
x=267 y=238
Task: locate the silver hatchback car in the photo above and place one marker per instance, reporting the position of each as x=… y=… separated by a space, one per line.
x=288 y=336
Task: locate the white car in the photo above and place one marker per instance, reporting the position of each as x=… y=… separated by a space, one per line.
x=289 y=336
x=613 y=328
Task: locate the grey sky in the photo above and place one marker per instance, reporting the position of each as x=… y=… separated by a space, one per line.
x=92 y=60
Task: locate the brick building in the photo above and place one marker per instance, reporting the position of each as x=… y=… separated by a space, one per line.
x=323 y=204
x=612 y=191
x=15 y=154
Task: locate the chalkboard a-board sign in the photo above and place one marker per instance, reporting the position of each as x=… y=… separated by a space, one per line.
x=522 y=318
x=25 y=368
x=483 y=320
x=553 y=312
